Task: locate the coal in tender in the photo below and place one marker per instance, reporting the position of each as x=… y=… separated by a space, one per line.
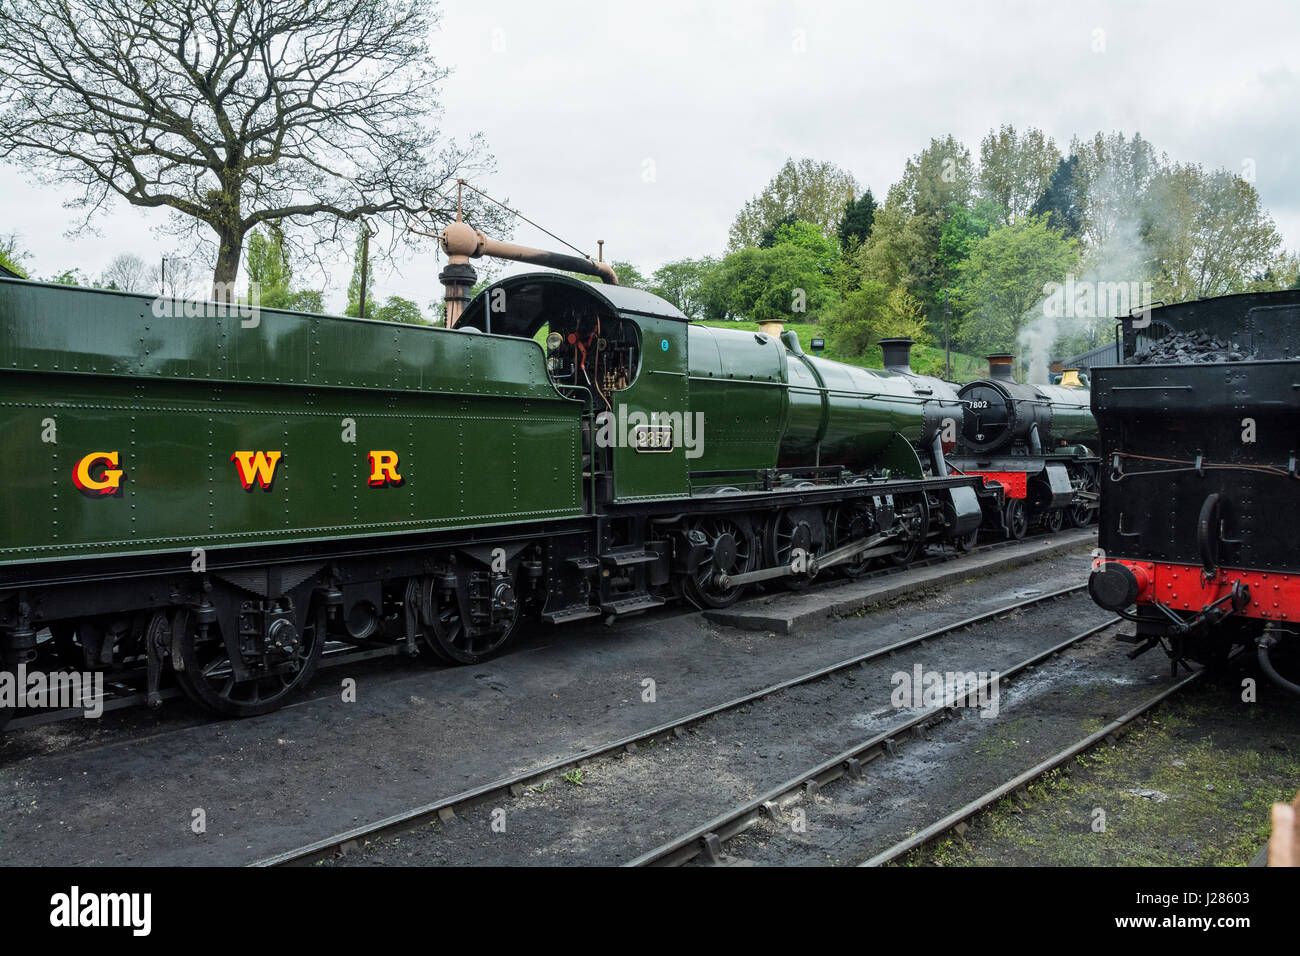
x=1191 y=348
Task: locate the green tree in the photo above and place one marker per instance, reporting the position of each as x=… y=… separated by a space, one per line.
x=1014 y=170
x=307 y=300
x=896 y=253
x=935 y=179
x=12 y=255
x=1207 y=233
x=813 y=191
x=1113 y=175
x=398 y=309
x=1062 y=200
x=962 y=230
x=807 y=235
x=1004 y=277
x=629 y=276
x=874 y=312
x=715 y=293
x=855 y=224
x=784 y=283
x=903 y=250
x=270 y=275
x=70 y=277
x=1282 y=273
x=768 y=238
x=682 y=282
x=361 y=267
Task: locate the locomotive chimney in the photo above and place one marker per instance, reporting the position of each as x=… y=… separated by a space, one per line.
x=1000 y=366
x=897 y=354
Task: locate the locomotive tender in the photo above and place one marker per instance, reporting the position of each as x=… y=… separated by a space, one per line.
x=1199 y=433
x=215 y=496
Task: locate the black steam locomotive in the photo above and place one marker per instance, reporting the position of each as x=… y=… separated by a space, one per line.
x=1027 y=443
x=1199 y=434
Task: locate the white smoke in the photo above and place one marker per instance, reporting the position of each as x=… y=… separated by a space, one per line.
x=1113 y=282
x=1114 y=279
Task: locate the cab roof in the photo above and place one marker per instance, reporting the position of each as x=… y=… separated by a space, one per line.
x=528 y=300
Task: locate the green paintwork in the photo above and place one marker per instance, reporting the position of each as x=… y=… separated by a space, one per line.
x=766 y=407
x=482 y=435
x=1072 y=420
x=660 y=387
x=737 y=383
x=865 y=410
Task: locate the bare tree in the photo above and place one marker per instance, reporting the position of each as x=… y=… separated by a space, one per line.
x=232 y=113
x=125 y=273
x=176 y=277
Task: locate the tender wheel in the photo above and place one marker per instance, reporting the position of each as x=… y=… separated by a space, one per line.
x=730 y=550
x=444 y=631
x=207 y=678
x=967 y=542
x=1054 y=520
x=849 y=522
x=1016 y=517
x=790 y=530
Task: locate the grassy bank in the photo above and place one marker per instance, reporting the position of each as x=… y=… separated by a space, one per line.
x=1190 y=786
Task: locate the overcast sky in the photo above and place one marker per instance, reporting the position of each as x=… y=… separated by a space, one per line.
x=649 y=125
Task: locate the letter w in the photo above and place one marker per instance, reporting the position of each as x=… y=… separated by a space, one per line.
x=256 y=466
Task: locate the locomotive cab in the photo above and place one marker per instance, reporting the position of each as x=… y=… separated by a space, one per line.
x=590 y=347
x=593 y=351
x=619 y=351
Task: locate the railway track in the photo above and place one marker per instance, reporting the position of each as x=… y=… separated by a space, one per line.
x=124 y=691
x=1018 y=782
x=707 y=839
x=693 y=843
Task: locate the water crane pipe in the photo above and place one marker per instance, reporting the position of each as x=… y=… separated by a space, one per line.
x=462 y=242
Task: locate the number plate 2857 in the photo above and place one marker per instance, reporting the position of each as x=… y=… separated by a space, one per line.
x=653 y=438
